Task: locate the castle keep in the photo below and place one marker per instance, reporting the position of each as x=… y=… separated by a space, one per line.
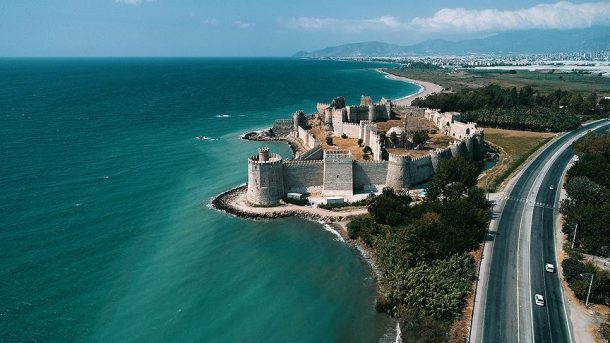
x=334 y=172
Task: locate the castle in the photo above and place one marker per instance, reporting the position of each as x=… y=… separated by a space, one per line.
x=333 y=172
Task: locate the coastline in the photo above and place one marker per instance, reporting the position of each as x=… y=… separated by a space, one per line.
x=234 y=203
x=425 y=88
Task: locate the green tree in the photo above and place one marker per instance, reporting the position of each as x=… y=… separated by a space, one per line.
x=581 y=190
x=420 y=137
x=452 y=179
x=390 y=207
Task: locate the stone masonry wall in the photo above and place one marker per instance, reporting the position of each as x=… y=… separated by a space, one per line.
x=338 y=174
x=308 y=139
x=301 y=175
x=369 y=173
x=421 y=169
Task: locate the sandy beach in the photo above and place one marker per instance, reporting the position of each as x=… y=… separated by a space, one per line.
x=426 y=88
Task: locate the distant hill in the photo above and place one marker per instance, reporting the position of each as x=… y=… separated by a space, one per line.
x=530 y=41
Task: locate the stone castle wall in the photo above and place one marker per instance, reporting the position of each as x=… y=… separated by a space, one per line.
x=307 y=138
x=367 y=174
x=421 y=169
x=351 y=130
x=299 y=176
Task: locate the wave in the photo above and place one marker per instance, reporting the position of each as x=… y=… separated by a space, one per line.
x=328 y=228
x=205 y=138
x=223 y=116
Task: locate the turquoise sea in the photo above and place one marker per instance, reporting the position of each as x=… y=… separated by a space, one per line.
x=105 y=232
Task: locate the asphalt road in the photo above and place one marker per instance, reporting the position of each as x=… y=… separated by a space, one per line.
x=522 y=244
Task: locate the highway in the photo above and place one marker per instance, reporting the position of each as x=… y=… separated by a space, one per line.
x=521 y=242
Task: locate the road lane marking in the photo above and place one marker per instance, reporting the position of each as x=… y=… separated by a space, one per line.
x=548 y=314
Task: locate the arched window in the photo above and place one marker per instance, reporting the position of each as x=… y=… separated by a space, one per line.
x=467 y=131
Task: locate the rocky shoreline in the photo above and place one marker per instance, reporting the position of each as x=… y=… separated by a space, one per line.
x=233 y=202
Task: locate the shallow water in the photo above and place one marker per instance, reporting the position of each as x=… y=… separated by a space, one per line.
x=104 y=229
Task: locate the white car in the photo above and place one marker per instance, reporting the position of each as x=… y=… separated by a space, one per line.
x=549 y=268
x=539 y=299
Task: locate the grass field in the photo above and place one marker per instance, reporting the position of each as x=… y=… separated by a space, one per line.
x=543 y=81
x=515 y=147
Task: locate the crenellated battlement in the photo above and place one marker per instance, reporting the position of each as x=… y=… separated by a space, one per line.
x=298 y=163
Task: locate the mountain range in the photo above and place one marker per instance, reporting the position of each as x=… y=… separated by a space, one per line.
x=529 y=41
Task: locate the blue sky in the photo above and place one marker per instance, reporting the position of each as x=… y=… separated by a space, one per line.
x=264 y=27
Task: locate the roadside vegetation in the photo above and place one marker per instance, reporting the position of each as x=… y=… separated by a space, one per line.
x=588 y=189
x=423 y=250
x=588 y=206
x=520 y=109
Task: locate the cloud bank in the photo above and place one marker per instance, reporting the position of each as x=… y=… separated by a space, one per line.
x=346 y=25
x=560 y=15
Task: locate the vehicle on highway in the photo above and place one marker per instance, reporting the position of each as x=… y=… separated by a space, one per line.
x=549 y=268
x=539 y=299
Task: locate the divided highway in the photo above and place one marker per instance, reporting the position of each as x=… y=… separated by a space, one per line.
x=521 y=243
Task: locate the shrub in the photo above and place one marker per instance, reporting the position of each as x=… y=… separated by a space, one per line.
x=344 y=136
x=329 y=140
x=572 y=268
x=360 y=141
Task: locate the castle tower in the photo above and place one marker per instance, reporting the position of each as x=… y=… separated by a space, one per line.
x=263 y=154
x=434 y=157
x=338 y=173
x=453 y=146
x=479 y=146
x=265 y=178
x=296 y=120
x=469 y=146
x=328 y=119
x=399 y=172
x=371 y=113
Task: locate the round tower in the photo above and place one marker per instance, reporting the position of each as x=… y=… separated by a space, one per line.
x=296 y=120
x=263 y=154
x=454 y=147
x=479 y=146
x=265 y=179
x=469 y=147
x=399 y=172
x=328 y=119
x=371 y=113
x=434 y=158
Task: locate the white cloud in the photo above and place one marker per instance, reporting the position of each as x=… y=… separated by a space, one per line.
x=210 y=21
x=560 y=15
x=346 y=25
x=243 y=24
x=132 y=2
